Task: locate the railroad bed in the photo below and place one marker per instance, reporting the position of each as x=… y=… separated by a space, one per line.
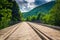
x=28 y=31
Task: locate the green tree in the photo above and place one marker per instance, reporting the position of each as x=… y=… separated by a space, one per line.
x=53 y=16
x=9 y=12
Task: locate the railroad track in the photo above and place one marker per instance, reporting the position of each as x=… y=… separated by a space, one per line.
x=6 y=35
x=41 y=34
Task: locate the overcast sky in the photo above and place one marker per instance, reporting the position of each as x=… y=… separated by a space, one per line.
x=27 y=5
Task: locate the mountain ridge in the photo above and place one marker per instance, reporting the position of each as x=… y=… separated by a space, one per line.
x=42 y=8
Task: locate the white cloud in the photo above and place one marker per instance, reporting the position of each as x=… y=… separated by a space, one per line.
x=30 y=1
x=48 y=0
x=25 y=7
x=31 y=6
x=20 y=0
x=28 y=7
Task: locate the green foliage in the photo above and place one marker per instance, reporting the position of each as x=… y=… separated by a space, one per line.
x=15 y=12
x=31 y=18
x=23 y=19
x=9 y=13
x=42 y=8
x=56 y=12
x=5 y=20
x=48 y=18
x=53 y=16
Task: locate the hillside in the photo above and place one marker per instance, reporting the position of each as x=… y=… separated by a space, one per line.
x=43 y=8
x=53 y=16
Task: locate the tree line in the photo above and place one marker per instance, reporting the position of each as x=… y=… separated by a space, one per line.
x=9 y=13
x=52 y=17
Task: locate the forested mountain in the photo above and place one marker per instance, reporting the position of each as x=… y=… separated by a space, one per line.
x=53 y=17
x=48 y=13
x=9 y=13
x=44 y=15
x=42 y=8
